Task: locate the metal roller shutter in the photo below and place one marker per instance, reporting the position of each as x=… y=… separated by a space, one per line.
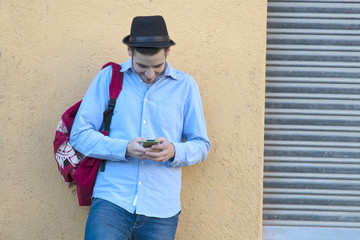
x=312 y=121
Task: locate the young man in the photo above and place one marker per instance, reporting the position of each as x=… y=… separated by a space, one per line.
x=138 y=194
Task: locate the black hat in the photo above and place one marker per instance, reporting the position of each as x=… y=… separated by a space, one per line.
x=148 y=31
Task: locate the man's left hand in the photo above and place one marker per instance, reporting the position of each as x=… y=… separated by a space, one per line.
x=162 y=151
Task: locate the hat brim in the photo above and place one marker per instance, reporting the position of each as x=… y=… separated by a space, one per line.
x=147 y=44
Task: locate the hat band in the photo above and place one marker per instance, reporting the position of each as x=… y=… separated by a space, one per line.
x=149 y=39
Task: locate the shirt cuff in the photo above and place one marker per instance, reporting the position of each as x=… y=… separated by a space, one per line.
x=179 y=155
x=118 y=149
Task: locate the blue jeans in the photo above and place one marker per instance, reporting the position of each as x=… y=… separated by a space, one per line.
x=109 y=221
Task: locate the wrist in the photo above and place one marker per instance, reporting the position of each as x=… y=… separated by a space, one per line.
x=172 y=151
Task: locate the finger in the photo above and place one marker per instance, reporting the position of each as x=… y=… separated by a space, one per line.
x=139 y=139
x=154 y=154
x=157 y=156
x=157 y=159
x=161 y=139
x=158 y=147
x=162 y=146
x=152 y=158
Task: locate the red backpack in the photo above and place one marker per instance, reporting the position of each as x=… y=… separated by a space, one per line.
x=74 y=167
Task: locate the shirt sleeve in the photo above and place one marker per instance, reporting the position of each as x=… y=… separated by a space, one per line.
x=85 y=136
x=196 y=146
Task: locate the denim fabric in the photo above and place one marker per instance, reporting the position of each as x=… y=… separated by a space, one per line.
x=108 y=221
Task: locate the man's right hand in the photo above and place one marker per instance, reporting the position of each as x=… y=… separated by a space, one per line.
x=134 y=148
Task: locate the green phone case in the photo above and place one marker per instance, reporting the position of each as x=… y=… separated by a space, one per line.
x=149 y=143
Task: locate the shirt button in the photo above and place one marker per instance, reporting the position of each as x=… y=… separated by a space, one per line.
x=144 y=122
x=140 y=183
x=142 y=162
x=145 y=99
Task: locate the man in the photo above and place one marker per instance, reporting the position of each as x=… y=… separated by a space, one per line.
x=138 y=194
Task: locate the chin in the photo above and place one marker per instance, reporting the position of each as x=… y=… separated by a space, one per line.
x=149 y=81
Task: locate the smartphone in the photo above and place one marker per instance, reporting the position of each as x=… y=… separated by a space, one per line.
x=149 y=143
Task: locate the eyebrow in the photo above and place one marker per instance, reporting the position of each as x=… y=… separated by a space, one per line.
x=144 y=66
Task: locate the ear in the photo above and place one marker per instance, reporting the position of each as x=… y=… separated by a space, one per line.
x=130 y=52
x=167 y=52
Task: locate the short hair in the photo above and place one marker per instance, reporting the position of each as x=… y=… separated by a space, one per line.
x=147 y=50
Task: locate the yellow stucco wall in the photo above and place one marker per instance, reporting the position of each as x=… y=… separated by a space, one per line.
x=50 y=52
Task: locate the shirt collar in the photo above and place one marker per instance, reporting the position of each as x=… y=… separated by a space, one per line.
x=169 y=71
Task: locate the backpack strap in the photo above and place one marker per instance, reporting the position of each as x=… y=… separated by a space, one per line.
x=114 y=91
x=116 y=80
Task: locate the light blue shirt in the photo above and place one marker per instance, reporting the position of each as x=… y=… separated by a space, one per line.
x=169 y=108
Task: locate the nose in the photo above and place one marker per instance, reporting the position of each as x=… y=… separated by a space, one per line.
x=149 y=73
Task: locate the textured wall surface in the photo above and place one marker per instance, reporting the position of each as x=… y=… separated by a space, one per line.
x=49 y=53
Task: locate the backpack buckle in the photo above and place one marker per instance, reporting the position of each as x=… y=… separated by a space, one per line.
x=111 y=104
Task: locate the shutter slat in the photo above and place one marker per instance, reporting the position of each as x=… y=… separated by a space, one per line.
x=299 y=175
x=291 y=79
x=308 y=183
x=279 y=159
x=273 y=15
x=322 y=96
x=331 y=6
x=337 y=224
x=313 y=64
x=314 y=216
x=311 y=192
x=320 y=47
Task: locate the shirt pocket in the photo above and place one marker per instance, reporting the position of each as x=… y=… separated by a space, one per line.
x=169 y=117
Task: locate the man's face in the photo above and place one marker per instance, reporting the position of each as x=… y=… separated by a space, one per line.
x=149 y=67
